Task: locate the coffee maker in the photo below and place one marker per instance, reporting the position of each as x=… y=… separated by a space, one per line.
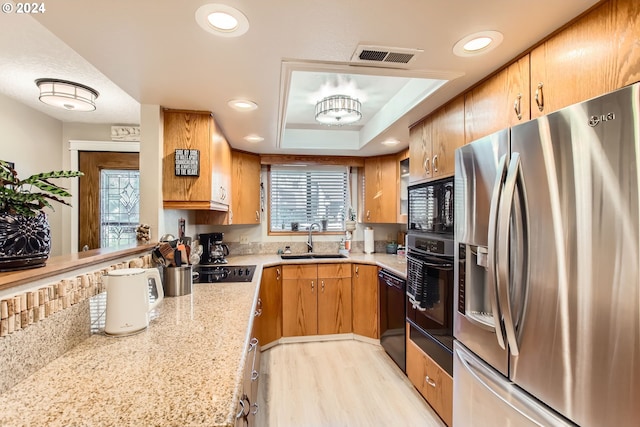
x=213 y=250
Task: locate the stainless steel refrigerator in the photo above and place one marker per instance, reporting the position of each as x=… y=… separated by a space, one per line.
x=547 y=316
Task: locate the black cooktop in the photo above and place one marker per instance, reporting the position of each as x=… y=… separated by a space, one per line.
x=224 y=273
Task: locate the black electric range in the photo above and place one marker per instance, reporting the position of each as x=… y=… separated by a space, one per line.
x=216 y=273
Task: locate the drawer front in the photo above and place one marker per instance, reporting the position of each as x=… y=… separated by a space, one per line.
x=331 y=271
x=435 y=384
x=300 y=271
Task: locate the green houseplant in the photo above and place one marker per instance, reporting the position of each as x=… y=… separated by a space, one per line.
x=25 y=236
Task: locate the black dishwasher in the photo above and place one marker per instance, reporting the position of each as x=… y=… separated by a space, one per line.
x=392 y=316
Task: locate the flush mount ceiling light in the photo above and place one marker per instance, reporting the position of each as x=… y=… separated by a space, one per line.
x=68 y=95
x=242 y=105
x=478 y=43
x=338 y=110
x=222 y=20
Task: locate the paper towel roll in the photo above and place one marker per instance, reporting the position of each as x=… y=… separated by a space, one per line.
x=368 y=240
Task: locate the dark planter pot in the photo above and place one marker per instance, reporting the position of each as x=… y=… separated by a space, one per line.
x=25 y=242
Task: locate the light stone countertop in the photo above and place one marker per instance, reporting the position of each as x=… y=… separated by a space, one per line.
x=185 y=369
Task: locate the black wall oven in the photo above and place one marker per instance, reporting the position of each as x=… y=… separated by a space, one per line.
x=430 y=262
x=431 y=207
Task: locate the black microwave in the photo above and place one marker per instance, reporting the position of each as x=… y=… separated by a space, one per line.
x=431 y=207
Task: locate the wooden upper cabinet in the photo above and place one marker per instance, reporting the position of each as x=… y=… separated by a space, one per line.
x=380 y=190
x=419 y=153
x=221 y=173
x=447 y=134
x=433 y=142
x=194 y=130
x=245 y=188
x=501 y=101
x=595 y=55
x=403 y=184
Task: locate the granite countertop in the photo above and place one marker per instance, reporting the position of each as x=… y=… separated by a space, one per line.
x=185 y=369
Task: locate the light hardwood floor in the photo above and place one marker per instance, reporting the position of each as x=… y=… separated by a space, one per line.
x=337 y=383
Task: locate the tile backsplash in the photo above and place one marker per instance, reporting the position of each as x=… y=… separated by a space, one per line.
x=39 y=325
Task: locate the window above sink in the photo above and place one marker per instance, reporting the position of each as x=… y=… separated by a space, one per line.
x=302 y=196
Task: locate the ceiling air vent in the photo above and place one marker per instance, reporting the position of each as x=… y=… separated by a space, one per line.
x=383 y=56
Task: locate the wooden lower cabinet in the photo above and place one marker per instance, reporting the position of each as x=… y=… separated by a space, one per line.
x=299 y=300
x=334 y=299
x=433 y=383
x=269 y=322
x=316 y=299
x=248 y=402
x=364 y=293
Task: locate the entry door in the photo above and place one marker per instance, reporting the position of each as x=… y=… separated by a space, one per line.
x=107 y=187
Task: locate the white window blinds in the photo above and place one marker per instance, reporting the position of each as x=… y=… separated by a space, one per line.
x=307 y=195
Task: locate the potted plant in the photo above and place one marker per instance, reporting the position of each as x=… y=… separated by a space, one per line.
x=25 y=236
x=350 y=223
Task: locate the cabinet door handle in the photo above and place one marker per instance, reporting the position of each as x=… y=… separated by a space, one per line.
x=312 y=286
x=429 y=381
x=254 y=375
x=435 y=164
x=425 y=165
x=277 y=274
x=368 y=214
x=322 y=282
x=258 y=312
x=241 y=403
x=256 y=407
x=357 y=271
x=540 y=97
x=517 y=106
x=257 y=216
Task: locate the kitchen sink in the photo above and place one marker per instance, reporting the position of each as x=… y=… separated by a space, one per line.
x=312 y=256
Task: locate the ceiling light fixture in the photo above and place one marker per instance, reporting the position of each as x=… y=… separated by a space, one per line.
x=222 y=20
x=242 y=105
x=391 y=142
x=253 y=138
x=478 y=43
x=68 y=95
x=338 y=110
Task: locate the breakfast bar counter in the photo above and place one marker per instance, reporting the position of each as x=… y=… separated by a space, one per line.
x=185 y=369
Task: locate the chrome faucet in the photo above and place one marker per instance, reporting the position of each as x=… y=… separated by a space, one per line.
x=310 y=240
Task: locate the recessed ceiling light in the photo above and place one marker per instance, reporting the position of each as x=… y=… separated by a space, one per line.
x=391 y=142
x=242 y=105
x=478 y=43
x=253 y=138
x=222 y=20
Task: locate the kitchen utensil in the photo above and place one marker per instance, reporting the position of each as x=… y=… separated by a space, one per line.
x=128 y=302
x=178 y=281
x=166 y=253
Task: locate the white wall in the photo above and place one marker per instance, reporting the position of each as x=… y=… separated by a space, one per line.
x=33 y=141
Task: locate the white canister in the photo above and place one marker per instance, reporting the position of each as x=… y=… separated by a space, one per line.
x=368 y=240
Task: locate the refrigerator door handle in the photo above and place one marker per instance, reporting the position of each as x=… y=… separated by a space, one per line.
x=491 y=255
x=506 y=205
